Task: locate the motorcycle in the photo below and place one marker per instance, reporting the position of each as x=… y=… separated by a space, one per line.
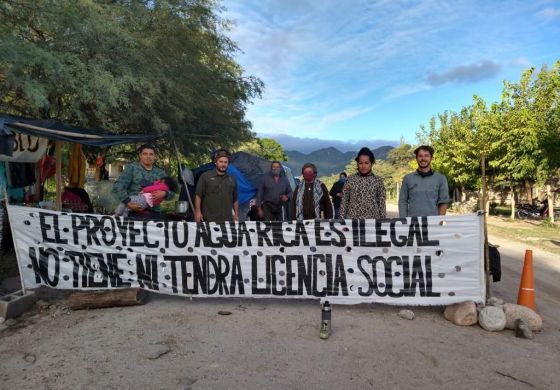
x=527 y=210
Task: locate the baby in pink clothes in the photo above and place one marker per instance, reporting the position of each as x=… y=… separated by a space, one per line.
x=145 y=198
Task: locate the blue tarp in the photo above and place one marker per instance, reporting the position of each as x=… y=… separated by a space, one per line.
x=245 y=190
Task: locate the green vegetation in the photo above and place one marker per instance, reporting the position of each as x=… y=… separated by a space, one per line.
x=163 y=67
x=519 y=137
x=535 y=233
x=264 y=147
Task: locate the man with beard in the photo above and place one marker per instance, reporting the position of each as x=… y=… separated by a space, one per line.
x=274 y=193
x=423 y=192
x=216 y=193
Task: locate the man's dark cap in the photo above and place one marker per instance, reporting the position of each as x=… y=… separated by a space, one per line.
x=222 y=153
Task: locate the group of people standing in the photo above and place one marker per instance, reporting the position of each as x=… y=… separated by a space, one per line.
x=358 y=196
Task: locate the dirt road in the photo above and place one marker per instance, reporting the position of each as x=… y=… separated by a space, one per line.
x=275 y=344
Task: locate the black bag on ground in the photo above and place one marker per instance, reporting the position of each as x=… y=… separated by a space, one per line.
x=495 y=263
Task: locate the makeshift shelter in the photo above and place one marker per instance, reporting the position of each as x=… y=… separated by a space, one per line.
x=59 y=131
x=24 y=142
x=254 y=167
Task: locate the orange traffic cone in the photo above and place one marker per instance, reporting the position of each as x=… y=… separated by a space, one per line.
x=526 y=296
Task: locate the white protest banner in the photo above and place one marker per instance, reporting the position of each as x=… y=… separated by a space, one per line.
x=27 y=148
x=408 y=261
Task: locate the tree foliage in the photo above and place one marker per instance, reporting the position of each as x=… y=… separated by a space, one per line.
x=158 y=66
x=518 y=136
x=264 y=147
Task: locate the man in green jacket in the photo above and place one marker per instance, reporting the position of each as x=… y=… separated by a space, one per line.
x=138 y=175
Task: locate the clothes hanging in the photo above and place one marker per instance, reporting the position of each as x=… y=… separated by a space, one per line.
x=76 y=167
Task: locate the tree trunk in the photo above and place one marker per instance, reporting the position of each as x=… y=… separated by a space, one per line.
x=486 y=194
x=97 y=176
x=463 y=194
x=550 y=198
x=58 y=175
x=512 y=194
x=484 y=202
x=529 y=191
x=108 y=298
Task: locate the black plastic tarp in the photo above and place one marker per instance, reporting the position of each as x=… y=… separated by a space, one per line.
x=251 y=167
x=51 y=129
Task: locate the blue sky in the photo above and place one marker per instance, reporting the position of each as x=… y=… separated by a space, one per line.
x=359 y=70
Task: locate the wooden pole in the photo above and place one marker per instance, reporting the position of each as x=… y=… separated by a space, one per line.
x=485 y=214
x=38 y=187
x=110 y=298
x=58 y=175
x=550 y=200
x=7 y=203
x=181 y=176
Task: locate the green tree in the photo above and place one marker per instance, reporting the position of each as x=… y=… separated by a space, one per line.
x=546 y=108
x=518 y=137
x=272 y=150
x=265 y=147
x=518 y=144
x=162 y=67
x=400 y=161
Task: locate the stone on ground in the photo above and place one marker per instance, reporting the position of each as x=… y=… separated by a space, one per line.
x=463 y=313
x=155 y=351
x=515 y=312
x=493 y=301
x=406 y=314
x=523 y=331
x=492 y=319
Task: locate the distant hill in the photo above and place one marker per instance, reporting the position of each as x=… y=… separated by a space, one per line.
x=328 y=160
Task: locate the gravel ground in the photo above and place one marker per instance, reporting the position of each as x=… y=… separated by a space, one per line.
x=177 y=343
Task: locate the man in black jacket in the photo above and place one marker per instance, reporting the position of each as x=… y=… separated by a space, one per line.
x=274 y=193
x=336 y=193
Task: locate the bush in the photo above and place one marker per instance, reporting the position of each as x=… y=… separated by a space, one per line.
x=547 y=223
x=469 y=206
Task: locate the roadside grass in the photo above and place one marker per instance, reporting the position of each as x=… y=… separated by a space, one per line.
x=540 y=233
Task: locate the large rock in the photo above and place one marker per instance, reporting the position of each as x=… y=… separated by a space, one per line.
x=517 y=312
x=494 y=301
x=463 y=313
x=492 y=319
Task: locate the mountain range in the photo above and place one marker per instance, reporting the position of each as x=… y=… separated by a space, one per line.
x=328 y=160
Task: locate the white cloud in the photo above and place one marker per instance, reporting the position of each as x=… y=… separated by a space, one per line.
x=521 y=61
x=405 y=90
x=550 y=13
x=325 y=62
x=343 y=115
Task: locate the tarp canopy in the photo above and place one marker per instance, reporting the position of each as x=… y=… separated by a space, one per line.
x=245 y=190
x=248 y=170
x=254 y=167
x=54 y=130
